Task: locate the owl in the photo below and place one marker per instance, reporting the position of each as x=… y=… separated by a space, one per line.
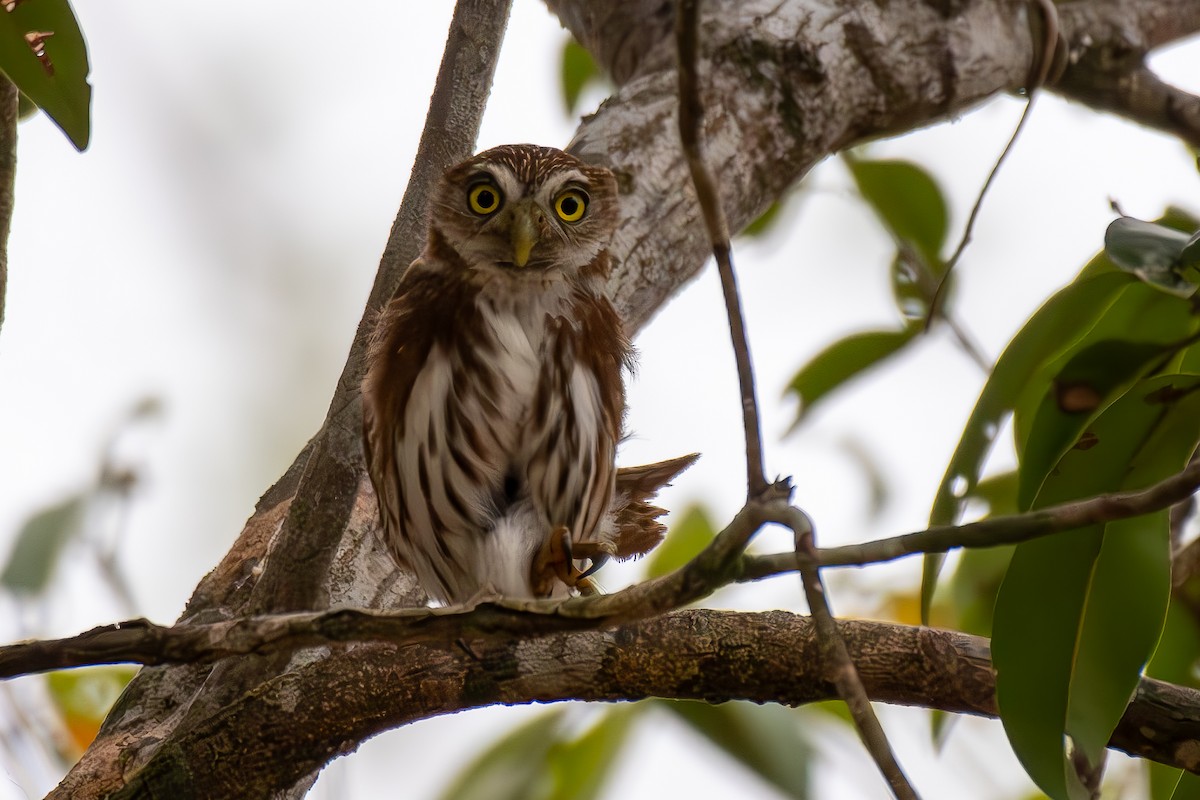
x=493 y=398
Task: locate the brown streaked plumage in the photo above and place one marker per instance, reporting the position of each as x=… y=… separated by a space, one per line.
x=493 y=399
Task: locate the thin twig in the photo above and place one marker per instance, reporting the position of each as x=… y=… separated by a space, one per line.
x=691 y=117
x=1051 y=38
x=838 y=664
x=1008 y=529
x=8 y=173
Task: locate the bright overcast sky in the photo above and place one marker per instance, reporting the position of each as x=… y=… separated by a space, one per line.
x=214 y=247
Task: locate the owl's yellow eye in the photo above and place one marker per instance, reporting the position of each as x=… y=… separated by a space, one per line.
x=484 y=198
x=571 y=205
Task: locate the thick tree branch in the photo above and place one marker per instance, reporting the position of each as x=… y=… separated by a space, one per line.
x=295 y=722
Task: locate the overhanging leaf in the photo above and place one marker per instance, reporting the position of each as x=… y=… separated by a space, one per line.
x=42 y=51
x=1153 y=252
x=844 y=360
x=1070 y=636
x=1061 y=321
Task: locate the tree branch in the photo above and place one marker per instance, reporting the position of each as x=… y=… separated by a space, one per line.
x=994 y=531
x=336 y=702
x=8 y=176
x=691 y=119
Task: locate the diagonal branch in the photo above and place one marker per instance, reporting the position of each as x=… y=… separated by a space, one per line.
x=838 y=663
x=691 y=119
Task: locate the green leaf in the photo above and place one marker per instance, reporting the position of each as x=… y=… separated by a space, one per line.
x=1153 y=252
x=1061 y=321
x=684 y=541
x=768 y=740
x=764 y=221
x=1091 y=380
x=83 y=697
x=42 y=51
x=908 y=201
x=39 y=545
x=844 y=360
x=582 y=766
x=1188 y=787
x=514 y=768
x=579 y=70
x=1079 y=612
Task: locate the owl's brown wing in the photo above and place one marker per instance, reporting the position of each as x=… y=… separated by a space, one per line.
x=422 y=313
x=578 y=410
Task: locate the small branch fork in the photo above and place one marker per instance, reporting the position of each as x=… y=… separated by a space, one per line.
x=835 y=655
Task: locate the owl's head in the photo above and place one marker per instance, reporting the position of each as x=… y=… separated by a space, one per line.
x=526 y=208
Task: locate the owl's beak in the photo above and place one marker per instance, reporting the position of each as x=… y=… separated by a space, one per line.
x=524 y=233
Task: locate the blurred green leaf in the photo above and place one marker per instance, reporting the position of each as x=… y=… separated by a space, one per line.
x=514 y=768
x=42 y=51
x=579 y=70
x=39 y=544
x=908 y=201
x=764 y=221
x=842 y=361
x=1061 y=320
x=83 y=697
x=684 y=541
x=582 y=766
x=768 y=740
x=540 y=761
x=1079 y=612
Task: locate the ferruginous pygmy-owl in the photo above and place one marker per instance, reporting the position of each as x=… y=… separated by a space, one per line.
x=493 y=398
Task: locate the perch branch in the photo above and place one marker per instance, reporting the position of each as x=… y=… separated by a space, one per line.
x=691 y=119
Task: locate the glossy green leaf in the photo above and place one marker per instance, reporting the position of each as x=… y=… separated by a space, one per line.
x=39 y=545
x=1188 y=787
x=1079 y=612
x=685 y=539
x=768 y=740
x=908 y=201
x=1061 y=321
x=1153 y=252
x=42 y=51
x=514 y=768
x=844 y=360
x=1091 y=380
x=1176 y=659
x=579 y=70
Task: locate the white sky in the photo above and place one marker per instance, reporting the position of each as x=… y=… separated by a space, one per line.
x=214 y=247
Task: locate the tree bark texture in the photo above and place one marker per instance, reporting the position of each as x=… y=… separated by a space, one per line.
x=785 y=84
